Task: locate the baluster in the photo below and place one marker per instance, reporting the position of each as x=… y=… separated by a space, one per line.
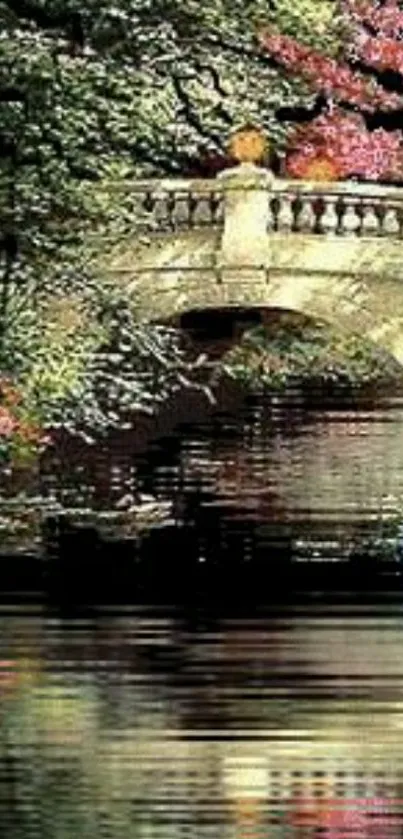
x=318 y=208
x=329 y=220
x=141 y=207
x=285 y=218
x=306 y=218
x=390 y=221
x=370 y=221
x=162 y=209
x=216 y=200
x=180 y=215
x=350 y=221
x=202 y=210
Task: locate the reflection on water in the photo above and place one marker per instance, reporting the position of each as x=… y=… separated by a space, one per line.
x=141 y=724
x=147 y=724
x=247 y=481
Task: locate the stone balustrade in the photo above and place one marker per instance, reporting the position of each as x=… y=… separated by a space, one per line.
x=332 y=251
x=174 y=205
x=345 y=209
x=342 y=209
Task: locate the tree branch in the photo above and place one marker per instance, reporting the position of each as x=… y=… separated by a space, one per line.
x=189 y=112
x=202 y=68
x=244 y=52
x=391 y=80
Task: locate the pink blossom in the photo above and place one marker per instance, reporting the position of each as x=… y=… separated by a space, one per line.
x=338 y=79
x=7 y=423
x=345 y=140
x=386 y=19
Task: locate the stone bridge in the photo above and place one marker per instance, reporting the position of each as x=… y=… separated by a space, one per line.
x=331 y=251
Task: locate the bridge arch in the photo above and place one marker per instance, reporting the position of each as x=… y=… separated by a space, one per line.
x=332 y=252
x=366 y=306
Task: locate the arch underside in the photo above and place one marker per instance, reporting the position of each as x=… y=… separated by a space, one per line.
x=368 y=306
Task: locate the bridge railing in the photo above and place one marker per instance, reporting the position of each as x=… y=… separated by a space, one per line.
x=344 y=208
x=175 y=204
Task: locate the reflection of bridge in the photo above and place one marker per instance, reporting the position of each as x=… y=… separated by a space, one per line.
x=309 y=707
x=329 y=251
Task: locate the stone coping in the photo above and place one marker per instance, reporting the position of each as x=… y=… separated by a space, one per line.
x=200 y=186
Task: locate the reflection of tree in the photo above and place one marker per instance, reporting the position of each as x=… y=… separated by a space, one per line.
x=8 y=801
x=89 y=747
x=51 y=738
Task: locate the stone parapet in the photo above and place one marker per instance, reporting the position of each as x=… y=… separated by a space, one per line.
x=343 y=208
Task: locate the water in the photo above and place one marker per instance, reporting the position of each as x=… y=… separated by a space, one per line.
x=264 y=480
x=156 y=723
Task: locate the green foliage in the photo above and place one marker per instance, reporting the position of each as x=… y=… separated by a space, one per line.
x=308 y=19
x=134 y=368
x=99 y=91
x=68 y=333
x=89 y=90
x=293 y=349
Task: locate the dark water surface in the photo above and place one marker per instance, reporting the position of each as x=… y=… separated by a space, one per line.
x=161 y=723
x=280 y=484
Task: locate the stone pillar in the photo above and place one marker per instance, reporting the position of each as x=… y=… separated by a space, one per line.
x=246 y=781
x=245 y=241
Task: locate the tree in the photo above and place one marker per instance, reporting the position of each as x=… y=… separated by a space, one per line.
x=360 y=132
x=106 y=90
